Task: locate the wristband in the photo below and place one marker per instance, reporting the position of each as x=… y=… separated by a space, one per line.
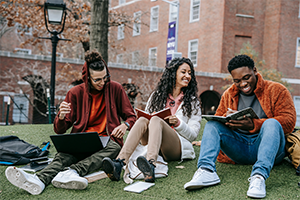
x=127 y=124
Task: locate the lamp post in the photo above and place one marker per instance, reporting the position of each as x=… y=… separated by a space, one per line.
x=176 y=3
x=177 y=21
x=54 y=13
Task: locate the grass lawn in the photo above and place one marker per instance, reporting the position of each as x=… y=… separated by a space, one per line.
x=282 y=183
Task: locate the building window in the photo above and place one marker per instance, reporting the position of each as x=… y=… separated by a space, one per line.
x=173 y=12
x=154 y=19
x=120 y=58
x=121 y=32
x=298 y=53
x=152 y=56
x=23 y=29
x=20 y=109
x=22 y=51
x=297 y=107
x=137 y=23
x=195 y=10
x=122 y=2
x=299 y=11
x=135 y=58
x=193 y=51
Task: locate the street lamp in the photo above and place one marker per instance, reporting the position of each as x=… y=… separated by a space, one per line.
x=54 y=13
x=175 y=54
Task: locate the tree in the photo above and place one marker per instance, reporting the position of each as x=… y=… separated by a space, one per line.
x=85 y=24
x=99 y=27
x=268 y=74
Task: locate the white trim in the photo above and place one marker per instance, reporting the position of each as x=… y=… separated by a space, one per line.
x=125 y=4
x=137 y=23
x=170 y=10
x=23 y=51
x=120 y=58
x=40 y=57
x=189 y=51
x=121 y=2
x=121 y=34
x=191 y=11
x=297 y=47
x=299 y=11
x=297 y=102
x=245 y=16
x=151 y=19
x=291 y=80
x=149 y=60
x=135 y=57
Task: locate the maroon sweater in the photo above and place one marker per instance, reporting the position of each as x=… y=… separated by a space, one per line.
x=117 y=107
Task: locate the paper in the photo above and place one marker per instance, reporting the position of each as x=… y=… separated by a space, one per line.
x=138 y=187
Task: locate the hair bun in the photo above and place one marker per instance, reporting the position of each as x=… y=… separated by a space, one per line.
x=92 y=56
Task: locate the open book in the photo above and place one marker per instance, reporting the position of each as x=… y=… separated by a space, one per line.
x=162 y=114
x=248 y=112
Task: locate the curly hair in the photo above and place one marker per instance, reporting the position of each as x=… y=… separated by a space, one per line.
x=168 y=82
x=240 y=61
x=94 y=60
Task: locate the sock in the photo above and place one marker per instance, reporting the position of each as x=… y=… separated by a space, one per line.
x=206 y=169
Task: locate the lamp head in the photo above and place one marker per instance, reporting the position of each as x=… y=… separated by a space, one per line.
x=55 y=10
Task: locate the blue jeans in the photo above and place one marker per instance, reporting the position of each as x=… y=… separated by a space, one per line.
x=263 y=149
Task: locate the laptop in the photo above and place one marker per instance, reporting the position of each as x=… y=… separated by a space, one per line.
x=79 y=143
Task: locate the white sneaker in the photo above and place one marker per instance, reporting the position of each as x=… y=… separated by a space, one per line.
x=201 y=179
x=69 y=179
x=257 y=187
x=29 y=182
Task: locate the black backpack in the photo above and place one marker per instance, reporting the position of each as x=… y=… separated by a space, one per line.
x=14 y=151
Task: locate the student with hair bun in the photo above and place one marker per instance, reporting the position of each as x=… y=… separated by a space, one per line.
x=96 y=105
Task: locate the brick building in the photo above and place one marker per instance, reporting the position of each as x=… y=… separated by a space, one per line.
x=210 y=33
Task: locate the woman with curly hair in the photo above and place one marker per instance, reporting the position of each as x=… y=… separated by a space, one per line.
x=177 y=90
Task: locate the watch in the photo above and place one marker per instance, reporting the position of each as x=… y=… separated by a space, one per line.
x=127 y=124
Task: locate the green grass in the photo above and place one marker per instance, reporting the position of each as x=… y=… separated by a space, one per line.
x=282 y=183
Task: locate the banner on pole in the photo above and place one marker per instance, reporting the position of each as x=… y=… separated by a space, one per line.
x=171 y=40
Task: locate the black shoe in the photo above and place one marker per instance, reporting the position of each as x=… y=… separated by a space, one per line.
x=113 y=168
x=147 y=168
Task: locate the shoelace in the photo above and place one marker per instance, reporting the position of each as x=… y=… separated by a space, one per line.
x=255 y=181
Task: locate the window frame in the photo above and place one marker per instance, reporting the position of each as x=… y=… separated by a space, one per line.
x=191 y=11
x=189 y=51
x=135 y=59
x=119 y=58
x=297 y=52
x=150 y=58
x=121 y=32
x=121 y=2
x=151 y=19
x=137 y=24
x=19 y=51
x=170 y=10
